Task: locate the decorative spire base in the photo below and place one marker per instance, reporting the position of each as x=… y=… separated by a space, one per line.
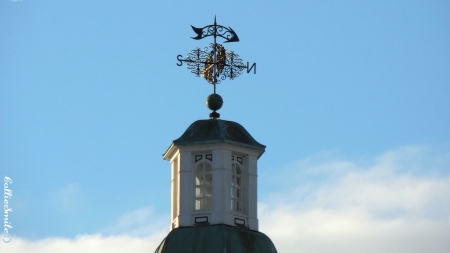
x=214 y=115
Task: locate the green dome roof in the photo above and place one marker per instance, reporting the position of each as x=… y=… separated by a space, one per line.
x=217 y=130
x=216 y=238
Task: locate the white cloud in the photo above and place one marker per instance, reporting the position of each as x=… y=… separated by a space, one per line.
x=137 y=231
x=396 y=202
x=86 y=244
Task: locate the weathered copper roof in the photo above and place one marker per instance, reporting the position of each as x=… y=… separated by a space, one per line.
x=216 y=238
x=217 y=130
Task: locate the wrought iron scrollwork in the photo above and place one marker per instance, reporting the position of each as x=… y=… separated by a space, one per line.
x=215 y=63
x=227 y=64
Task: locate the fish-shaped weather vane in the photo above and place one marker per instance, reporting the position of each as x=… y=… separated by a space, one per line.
x=215 y=63
x=215 y=30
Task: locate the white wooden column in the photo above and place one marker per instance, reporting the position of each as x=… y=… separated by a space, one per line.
x=221 y=167
x=175 y=193
x=186 y=188
x=252 y=192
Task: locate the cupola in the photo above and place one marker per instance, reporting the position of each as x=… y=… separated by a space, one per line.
x=214 y=175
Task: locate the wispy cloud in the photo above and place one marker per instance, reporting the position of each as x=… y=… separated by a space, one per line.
x=68 y=198
x=139 y=223
x=396 y=202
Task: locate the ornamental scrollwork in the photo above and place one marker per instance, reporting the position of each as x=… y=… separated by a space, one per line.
x=214 y=63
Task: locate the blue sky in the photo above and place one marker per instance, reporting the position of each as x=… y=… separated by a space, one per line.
x=345 y=92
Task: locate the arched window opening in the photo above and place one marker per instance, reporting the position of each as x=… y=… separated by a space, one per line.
x=203 y=185
x=236 y=187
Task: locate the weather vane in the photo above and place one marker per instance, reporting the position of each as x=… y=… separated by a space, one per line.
x=215 y=63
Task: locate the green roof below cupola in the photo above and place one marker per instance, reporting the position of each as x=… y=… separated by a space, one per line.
x=216 y=238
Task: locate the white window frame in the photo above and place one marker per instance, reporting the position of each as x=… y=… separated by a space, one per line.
x=203 y=182
x=236 y=194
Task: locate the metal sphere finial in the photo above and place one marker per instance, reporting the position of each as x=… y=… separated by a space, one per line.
x=214 y=102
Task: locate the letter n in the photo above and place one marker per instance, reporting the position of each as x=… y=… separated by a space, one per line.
x=250 y=69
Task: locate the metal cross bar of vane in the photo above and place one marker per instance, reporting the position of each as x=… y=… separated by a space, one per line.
x=213 y=63
x=249 y=68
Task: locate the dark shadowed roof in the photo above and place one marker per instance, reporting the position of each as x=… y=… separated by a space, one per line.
x=217 y=130
x=216 y=238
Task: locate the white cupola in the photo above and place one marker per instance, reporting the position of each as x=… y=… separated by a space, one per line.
x=214 y=175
